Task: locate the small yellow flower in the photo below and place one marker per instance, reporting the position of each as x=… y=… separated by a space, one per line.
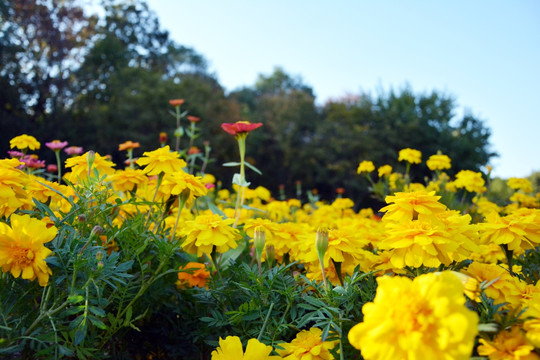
x=161 y=160
x=410 y=155
x=520 y=184
x=365 y=167
x=24 y=141
x=231 y=349
x=307 y=345
x=438 y=162
x=127 y=179
x=384 y=170
x=21 y=248
x=79 y=166
x=470 y=180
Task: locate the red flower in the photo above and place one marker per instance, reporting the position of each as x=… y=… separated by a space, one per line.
x=240 y=127
x=193 y=118
x=176 y=102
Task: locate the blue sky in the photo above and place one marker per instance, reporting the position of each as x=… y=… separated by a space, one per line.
x=486 y=54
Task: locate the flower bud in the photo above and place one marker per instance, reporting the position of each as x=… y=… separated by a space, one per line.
x=99 y=255
x=100 y=265
x=259 y=237
x=97 y=230
x=270 y=254
x=321 y=242
x=90 y=157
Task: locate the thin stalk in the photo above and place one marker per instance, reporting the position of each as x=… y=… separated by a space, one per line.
x=241 y=193
x=177 y=146
x=181 y=203
x=59 y=165
x=265 y=321
x=159 y=179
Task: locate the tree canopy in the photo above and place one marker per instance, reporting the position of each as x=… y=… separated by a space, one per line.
x=98 y=81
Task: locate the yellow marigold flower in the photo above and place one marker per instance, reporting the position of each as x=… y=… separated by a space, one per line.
x=127 y=179
x=405 y=206
x=223 y=194
x=22 y=250
x=24 y=141
x=520 y=184
x=231 y=349
x=269 y=227
x=12 y=187
x=162 y=160
x=532 y=328
x=193 y=274
x=417 y=243
x=424 y=318
x=510 y=345
x=207 y=231
x=395 y=180
x=263 y=193
x=438 y=162
x=503 y=289
x=208 y=179
x=290 y=238
x=79 y=166
x=343 y=203
x=470 y=180
x=365 y=167
x=525 y=200
x=294 y=203
x=484 y=206
x=183 y=181
x=520 y=230
x=307 y=345
x=410 y=155
x=384 y=170
x=278 y=210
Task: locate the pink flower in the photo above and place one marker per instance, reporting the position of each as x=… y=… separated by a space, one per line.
x=51 y=168
x=74 y=150
x=56 y=145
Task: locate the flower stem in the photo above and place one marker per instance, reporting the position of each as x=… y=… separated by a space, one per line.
x=241 y=189
x=57 y=154
x=265 y=321
x=159 y=179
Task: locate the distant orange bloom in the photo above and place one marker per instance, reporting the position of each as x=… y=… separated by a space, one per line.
x=193 y=118
x=176 y=102
x=193 y=274
x=194 y=150
x=340 y=190
x=128 y=145
x=162 y=137
x=240 y=127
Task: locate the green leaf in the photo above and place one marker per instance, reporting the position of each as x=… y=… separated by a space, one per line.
x=214 y=209
x=253 y=168
x=232 y=163
x=238 y=180
x=74 y=299
x=98 y=323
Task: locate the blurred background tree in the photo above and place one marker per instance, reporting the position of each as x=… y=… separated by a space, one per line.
x=97 y=80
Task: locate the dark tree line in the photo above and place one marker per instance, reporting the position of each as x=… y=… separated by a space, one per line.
x=97 y=81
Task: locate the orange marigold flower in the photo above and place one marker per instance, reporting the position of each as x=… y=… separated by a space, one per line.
x=176 y=102
x=193 y=274
x=192 y=118
x=307 y=345
x=240 y=128
x=128 y=145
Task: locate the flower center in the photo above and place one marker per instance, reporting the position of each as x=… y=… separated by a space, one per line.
x=22 y=256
